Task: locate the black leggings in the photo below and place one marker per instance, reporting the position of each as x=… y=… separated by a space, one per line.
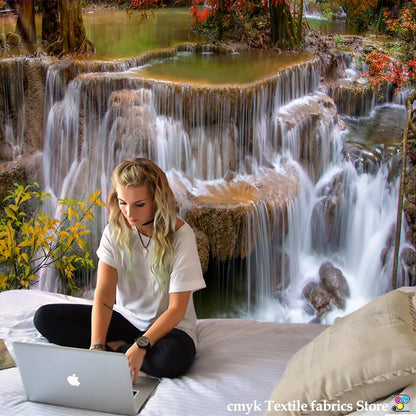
x=70 y=325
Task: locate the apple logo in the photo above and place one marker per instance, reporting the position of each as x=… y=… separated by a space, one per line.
x=73 y=380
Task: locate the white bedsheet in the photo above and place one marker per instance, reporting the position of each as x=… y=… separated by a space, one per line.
x=238 y=361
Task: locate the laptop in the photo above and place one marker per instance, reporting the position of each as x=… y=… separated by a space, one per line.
x=74 y=377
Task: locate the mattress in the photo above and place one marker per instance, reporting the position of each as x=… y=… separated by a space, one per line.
x=238 y=363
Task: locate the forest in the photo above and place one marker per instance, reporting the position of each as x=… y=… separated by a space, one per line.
x=256 y=23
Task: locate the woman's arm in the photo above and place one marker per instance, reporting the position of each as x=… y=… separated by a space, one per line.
x=104 y=298
x=178 y=303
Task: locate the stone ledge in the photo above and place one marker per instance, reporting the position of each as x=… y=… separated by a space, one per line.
x=220 y=211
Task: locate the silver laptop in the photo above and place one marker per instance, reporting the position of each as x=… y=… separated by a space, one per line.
x=73 y=377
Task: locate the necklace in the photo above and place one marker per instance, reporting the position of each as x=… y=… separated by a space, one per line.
x=145 y=246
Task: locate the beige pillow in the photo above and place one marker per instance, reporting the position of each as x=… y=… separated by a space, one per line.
x=364 y=356
x=405 y=397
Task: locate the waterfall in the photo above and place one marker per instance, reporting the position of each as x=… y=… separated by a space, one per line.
x=358 y=239
x=275 y=149
x=363 y=226
x=12 y=118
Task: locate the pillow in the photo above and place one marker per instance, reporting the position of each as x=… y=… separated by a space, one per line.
x=364 y=356
x=402 y=401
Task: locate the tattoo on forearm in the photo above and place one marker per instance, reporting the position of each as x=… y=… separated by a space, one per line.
x=108 y=306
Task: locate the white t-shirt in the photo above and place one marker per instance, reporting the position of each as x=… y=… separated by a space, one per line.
x=137 y=299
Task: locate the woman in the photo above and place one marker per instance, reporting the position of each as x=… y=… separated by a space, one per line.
x=148 y=266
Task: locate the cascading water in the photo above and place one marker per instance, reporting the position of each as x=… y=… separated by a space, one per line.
x=363 y=224
x=13 y=118
x=281 y=138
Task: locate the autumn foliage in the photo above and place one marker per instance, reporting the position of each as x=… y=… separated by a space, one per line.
x=361 y=13
x=383 y=69
x=250 y=21
x=202 y=10
x=395 y=16
x=401 y=21
x=256 y=22
x=144 y=4
x=280 y=21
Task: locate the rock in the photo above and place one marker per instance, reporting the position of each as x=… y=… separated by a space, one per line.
x=408 y=265
x=334 y=282
x=410 y=215
x=364 y=159
x=318 y=297
x=13 y=39
x=351 y=100
x=310 y=116
x=133 y=121
x=24 y=170
x=203 y=249
x=10 y=173
x=225 y=212
x=408 y=256
x=324 y=224
x=327 y=214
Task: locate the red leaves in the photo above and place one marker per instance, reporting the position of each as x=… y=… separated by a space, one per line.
x=144 y=4
x=382 y=69
x=231 y=9
x=200 y=16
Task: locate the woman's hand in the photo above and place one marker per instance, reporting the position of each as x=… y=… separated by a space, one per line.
x=135 y=357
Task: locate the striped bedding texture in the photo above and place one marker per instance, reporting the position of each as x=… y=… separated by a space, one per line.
x=238 y=364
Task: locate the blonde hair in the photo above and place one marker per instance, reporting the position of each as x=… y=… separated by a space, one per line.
x=144 y=172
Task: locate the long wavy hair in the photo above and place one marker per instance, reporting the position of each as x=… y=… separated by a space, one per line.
x=144 y=172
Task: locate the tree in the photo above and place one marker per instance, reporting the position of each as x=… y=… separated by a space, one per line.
x=25 y=26
x=72 y=36
x=251 y=21
x=285 y=29
x=62 y=26
x=50 y=21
